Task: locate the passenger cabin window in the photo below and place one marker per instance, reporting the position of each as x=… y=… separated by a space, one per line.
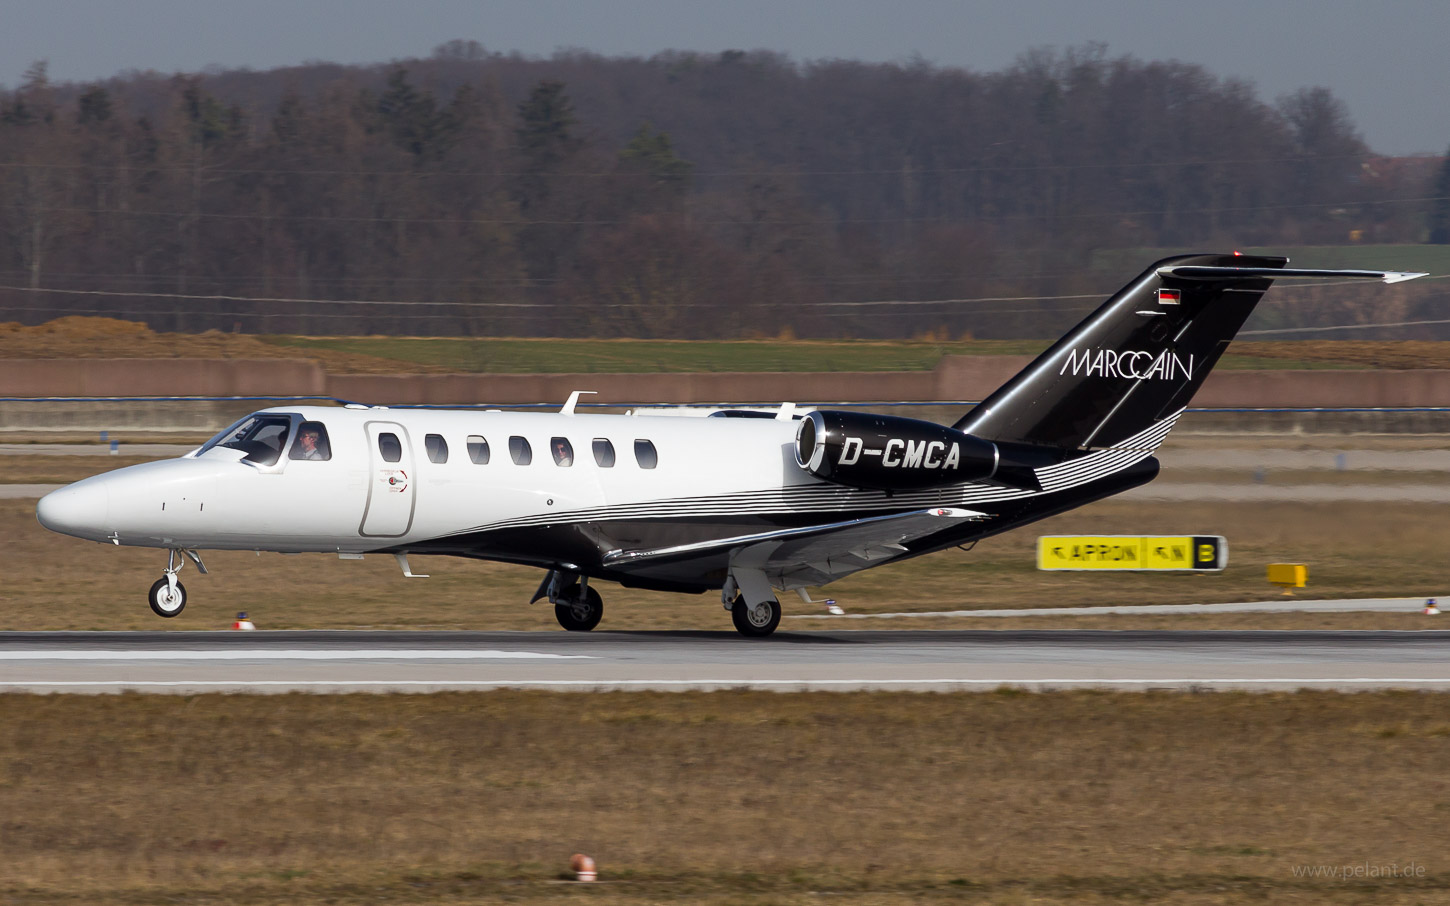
x=436 y=446
x=645 y=455
x=520 y=450
x=390 y=447
x=477 y=450
x=261 y=437
x=603 y=453
x=311 y=443
x=563 y=451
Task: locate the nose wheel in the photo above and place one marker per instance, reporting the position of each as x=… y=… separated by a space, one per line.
x=168 y=596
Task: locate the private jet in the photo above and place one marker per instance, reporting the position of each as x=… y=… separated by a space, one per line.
x=743 y=503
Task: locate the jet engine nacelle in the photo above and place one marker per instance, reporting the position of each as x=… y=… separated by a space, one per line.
x=890 y=453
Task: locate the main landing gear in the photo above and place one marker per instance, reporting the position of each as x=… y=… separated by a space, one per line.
x=755 y=620
x=577 y=607
x=751 y=601
x=168 y=596
x=580 y=608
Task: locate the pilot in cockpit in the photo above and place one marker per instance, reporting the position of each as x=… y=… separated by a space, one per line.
x=311 y=443
x=307 y=448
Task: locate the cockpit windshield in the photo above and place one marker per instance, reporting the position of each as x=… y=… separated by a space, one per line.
x=261 y=437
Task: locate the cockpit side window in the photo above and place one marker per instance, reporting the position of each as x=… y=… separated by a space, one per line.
x=311 y=443
x=261 y=437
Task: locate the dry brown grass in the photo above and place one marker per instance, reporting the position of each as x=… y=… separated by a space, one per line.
x=726 y=797
x=87 y=338
x=1388 y=354
x=49 y=469
x=1354 y=550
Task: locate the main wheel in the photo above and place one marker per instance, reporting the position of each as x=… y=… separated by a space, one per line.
x=164 y=601
x=579 y=613
x=755 y=620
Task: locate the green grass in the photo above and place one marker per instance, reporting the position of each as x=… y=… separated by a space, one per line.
x=502 y=355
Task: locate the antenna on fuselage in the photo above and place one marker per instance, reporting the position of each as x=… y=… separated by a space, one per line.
x=573 y=401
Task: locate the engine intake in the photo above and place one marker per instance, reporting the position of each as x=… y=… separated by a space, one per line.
x=890 y=453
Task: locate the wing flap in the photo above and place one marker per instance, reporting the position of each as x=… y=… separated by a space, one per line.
x=810 y=555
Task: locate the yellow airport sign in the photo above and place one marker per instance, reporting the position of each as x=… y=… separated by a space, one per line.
x=1133 y=552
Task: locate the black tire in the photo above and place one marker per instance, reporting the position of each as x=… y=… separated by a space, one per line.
x=748 y=620
x=579 y=614
x=159 y=604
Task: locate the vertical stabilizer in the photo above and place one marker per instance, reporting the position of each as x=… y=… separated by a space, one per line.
x=1134 y=362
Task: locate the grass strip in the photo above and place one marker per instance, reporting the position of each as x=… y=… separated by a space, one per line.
x=724 y=797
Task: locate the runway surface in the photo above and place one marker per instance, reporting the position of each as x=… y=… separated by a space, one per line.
x=191 y=662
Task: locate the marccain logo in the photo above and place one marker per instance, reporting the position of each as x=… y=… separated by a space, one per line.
x=1135 y=364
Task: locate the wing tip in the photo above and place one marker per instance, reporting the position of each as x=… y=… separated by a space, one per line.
x=1402 y=276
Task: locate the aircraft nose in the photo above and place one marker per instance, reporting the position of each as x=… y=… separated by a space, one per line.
x=80 y=509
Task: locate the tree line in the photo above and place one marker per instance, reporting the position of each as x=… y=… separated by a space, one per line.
x=682 y=195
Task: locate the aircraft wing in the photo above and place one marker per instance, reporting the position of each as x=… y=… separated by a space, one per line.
x=811 y=555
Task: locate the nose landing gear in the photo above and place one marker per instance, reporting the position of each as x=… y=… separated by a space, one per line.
x=168 y=596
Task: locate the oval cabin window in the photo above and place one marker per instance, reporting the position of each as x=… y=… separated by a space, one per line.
x=645 y=455
x=520 y=450
x=390 y=447
x=477 y=450
x=603 y=453
x=437 y=447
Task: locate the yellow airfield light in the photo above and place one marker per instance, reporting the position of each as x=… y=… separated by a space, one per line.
x=1289 y=576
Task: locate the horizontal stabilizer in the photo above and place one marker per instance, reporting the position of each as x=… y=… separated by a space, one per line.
x=1197 y=272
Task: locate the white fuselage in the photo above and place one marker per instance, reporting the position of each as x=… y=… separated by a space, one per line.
x=356 y=501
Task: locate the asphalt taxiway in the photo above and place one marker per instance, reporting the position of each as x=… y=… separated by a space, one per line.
x=191 y=662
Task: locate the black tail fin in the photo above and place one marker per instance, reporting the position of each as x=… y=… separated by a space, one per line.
x=1139 y=358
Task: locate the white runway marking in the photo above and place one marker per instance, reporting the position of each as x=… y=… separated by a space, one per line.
x=1287 y=493
x=26 y=491
x=1285 y=605
x=790 y=684
x=282 y=654
x=341 y=662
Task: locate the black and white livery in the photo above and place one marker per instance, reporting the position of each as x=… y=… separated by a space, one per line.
x=739 y=506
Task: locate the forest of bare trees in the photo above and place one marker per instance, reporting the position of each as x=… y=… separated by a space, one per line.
x=683 y=195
